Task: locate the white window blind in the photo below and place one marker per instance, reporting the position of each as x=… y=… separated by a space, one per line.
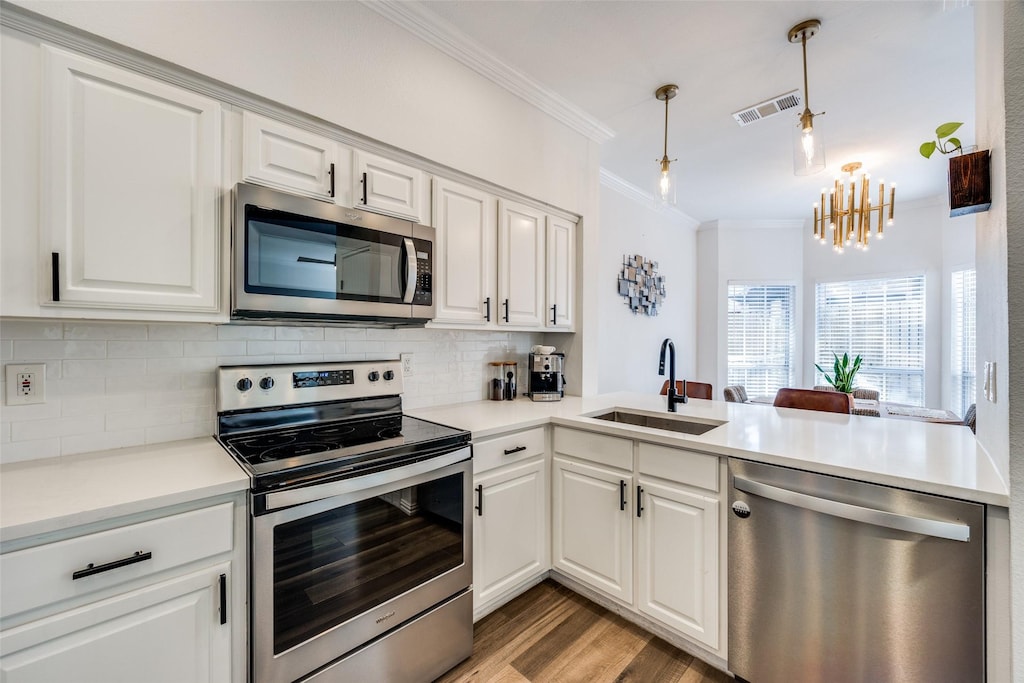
x=761 y=336
x=962 y=351
x=883 y=321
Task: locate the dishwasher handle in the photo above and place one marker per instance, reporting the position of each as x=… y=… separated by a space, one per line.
x=857 y=513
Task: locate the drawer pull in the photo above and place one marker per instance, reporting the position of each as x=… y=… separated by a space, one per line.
x=517 y=449
x=139 y=556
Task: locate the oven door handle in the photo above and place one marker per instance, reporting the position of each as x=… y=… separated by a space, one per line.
x=411 y=270
x=309 y=494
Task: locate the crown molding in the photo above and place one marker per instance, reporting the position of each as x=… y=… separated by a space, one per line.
x=427 y=26
x=634 y=193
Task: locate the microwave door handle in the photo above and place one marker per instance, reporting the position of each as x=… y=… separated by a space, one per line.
x=410 y=270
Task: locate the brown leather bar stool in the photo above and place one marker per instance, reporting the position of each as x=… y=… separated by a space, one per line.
x=810 y=399
x=693 y=389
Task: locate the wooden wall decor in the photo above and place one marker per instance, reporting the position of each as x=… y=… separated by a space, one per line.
x=641 y=285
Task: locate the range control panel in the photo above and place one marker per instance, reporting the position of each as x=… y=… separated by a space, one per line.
x=241 y=387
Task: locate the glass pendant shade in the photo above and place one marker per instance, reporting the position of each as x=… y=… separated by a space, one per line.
x=665 y=189
x=808 y=150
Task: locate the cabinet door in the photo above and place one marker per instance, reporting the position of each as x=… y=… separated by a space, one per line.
x=520 y=265
x=561 y=273
x=164 y=633
x=132 y=195
x=592 y=526
x=389 y=187
x=510 y=531
x=282 y=156
x=677 y=560
x=465 y=253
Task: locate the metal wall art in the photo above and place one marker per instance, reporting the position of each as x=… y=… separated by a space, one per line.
x=641 y=285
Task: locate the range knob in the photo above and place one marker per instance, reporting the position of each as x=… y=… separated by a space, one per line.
x=389 y=375
x=547 y=366
x=267 y=383
x=244 y=384
x=373 y=376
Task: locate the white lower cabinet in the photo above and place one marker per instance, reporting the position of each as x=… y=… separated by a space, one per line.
x=167 y=632
x=511 y=539
x=160 y=600
x=592 y=527
x=677 y=559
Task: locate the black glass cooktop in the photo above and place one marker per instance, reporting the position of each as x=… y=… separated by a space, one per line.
x=282 y=456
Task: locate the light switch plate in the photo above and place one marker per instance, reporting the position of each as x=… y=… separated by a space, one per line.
x=26 y=384
x=990 y=381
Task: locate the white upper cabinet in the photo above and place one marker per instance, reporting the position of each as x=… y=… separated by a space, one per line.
x=465 y=253
x=561 y=273
x=521 y=245
x=131 y=205
x=289 y=158
x=386 y=186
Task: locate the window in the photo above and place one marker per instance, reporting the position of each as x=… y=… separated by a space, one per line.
x=883 y=321
x=761 y=337
x=962 y=351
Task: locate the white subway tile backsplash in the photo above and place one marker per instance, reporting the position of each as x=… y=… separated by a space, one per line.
x=143 y=349
x=111 y=385
x=29 y=450
x=245 y=332
x=107 y=332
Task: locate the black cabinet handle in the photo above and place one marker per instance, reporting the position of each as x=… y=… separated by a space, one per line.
x=331 y=173
x=554 y=314
x=506 y=310
x=224 y=596
x=55 y=274
x=622 y=494
x=480 y=498
x=364 y=188
x=639 y=507
x=139 y=556
x=487 y=303
x=517 y=449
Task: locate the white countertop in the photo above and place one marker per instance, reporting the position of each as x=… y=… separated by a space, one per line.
x=920 y=456
x=42 y=496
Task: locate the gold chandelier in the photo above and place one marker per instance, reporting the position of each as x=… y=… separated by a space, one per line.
x=849 y=211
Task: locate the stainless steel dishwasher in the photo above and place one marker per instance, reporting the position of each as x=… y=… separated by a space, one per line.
x=837 y=580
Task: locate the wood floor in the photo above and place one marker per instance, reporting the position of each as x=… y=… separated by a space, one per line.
x=552 y=634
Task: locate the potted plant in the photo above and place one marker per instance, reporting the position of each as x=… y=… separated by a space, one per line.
x=844 y=372
x=969 y=188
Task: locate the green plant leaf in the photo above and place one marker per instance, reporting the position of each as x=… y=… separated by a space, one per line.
x=955 y=142
x=947 y=129
x=927 y=149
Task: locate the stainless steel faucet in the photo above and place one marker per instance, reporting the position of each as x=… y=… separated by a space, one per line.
x=673 y=397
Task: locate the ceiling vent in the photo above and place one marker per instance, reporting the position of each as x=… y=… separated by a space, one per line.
x=768 y=108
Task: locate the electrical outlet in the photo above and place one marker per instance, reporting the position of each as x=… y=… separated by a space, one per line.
x=26 y=384
x=406 y=364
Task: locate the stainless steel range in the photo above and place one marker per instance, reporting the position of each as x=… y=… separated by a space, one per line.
x=361 y=526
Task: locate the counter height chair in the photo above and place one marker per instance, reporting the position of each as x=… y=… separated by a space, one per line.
x=737 y=393
x=693 y=389
x=869 y=412
x=971 y=416
x=866 y=394
x=824 y=387
x=810 y=399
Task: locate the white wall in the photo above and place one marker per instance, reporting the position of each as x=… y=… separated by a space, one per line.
x=112 y=385
x=629 y=343
x=958 y=253
x=743 y=252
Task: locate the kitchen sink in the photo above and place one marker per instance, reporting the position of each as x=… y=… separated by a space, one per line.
x=672 y=424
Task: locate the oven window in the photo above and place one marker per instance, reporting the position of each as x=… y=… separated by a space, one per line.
x=333 y=566
x=305 y=257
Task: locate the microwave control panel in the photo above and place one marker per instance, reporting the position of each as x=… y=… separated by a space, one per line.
x=423 y=296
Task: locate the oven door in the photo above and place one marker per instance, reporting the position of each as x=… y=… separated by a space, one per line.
x=298 y=257
x=330 y=574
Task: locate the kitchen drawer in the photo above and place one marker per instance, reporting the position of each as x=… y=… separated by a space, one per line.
x=509 y=448
x=676 y=464
x=39 y=576
x=607 y=450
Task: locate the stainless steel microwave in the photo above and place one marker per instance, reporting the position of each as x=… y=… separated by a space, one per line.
x=299 y=259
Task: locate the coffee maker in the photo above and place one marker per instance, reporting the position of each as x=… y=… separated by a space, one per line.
x=547 y=383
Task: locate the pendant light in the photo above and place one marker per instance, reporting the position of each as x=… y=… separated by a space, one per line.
x=665 y=190
x=808 y=146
